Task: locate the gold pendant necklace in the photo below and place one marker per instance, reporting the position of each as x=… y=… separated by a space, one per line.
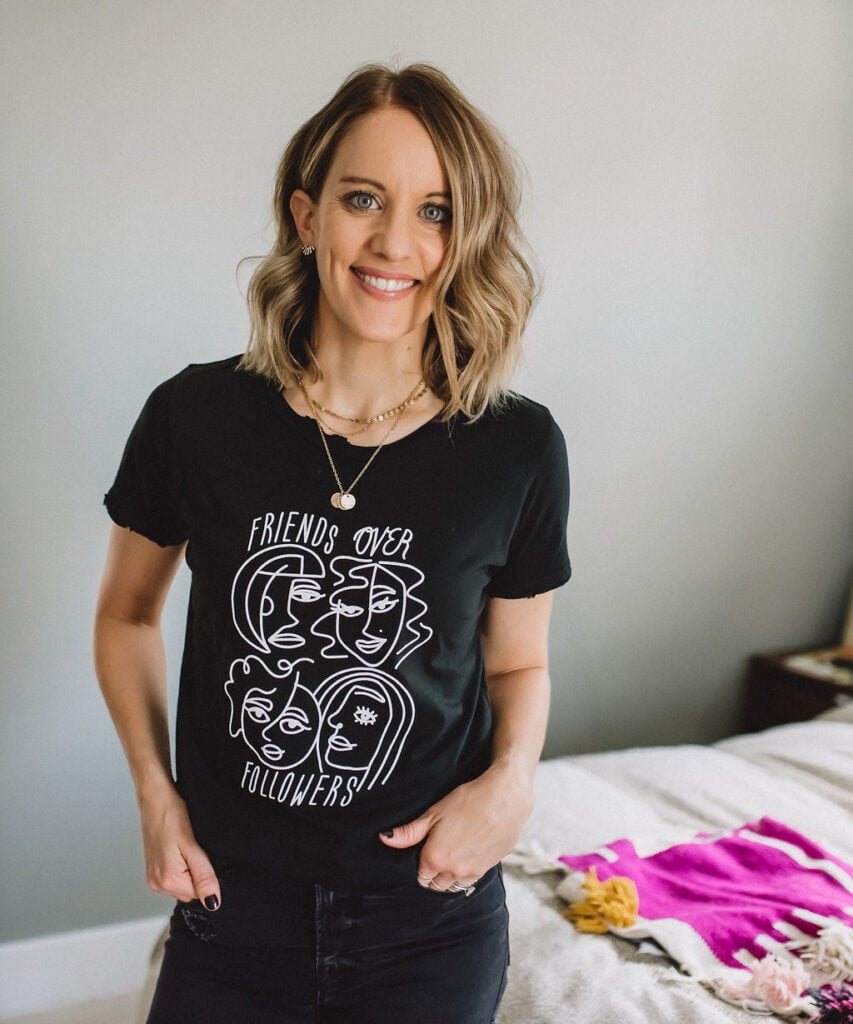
x=343 y=498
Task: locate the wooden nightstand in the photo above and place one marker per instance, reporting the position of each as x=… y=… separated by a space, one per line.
x=777 y=692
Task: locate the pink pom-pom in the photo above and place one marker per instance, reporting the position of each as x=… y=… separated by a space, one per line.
x=773 y=981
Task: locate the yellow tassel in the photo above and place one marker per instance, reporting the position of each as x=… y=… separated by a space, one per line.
x=610 y=904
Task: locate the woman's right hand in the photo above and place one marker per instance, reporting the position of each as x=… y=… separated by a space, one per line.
x=174 y=862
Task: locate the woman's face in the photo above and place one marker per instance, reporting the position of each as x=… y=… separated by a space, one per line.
x=380 y=226
x=353 y=730
x=370 y=613
x=280 y=724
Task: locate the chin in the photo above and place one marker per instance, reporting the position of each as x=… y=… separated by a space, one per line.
x=393 y=333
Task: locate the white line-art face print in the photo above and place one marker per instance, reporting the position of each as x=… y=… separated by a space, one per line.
x=276 y=716
x=366 y=716
x=374 y=615
x=271 y=594
x=312 y=702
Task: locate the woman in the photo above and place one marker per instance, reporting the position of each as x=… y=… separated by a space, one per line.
x=374 y=527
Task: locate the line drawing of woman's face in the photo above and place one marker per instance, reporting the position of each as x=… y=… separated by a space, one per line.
x=370 y=612
x=280 y=724
x=283 y=606
x=278 y=717
x=354 y=727
x=374 y=617
x=366 y=717
x=271 y=594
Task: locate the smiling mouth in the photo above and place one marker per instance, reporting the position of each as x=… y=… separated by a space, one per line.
x=385 y=284
x=369 y=646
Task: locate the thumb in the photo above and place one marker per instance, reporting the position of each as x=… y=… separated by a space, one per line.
x=407 y=835
x=204 y=880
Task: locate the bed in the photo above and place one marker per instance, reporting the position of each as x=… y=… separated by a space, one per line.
x=800 y=774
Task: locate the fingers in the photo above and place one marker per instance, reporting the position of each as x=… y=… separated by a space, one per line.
x=175 y=864
x=441 y=866
x=445 y=882
x=186 y=874
x=172 y=878
x=410 y=834
x=184 y=871
x=204 y=880
x=429 y=876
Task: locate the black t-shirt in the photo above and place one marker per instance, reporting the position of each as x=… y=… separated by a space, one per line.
x=332 y=680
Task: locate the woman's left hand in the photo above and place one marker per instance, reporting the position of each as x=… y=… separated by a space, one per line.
x=469 y=830
x=475 y=825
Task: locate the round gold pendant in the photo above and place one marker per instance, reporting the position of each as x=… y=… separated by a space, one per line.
x=336 y=500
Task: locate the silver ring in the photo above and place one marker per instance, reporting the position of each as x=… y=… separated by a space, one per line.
x=465 y=887
x=423 y=879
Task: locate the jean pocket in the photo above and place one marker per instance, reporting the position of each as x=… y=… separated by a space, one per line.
x=195 y=919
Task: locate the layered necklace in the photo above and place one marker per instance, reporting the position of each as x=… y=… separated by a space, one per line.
x=343 y=498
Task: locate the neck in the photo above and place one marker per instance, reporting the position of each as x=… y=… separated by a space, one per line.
x=363 y=383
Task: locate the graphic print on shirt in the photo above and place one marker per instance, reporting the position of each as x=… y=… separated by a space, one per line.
x=268 y=595
x=374 y=614
x=321 y=720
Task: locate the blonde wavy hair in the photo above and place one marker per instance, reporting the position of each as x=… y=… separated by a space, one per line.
x=485 y=288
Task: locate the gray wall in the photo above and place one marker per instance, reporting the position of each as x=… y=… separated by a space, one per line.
x=689 y=197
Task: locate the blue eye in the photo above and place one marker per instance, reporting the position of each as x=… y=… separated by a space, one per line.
x=435 y=213
x=362 y=200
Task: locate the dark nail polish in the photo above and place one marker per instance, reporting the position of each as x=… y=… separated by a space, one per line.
x=388 y=834
x=212 y=903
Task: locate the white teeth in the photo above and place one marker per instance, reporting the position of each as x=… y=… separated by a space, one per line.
x=386 y=284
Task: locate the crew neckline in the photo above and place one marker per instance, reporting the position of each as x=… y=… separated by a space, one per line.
x=306 y=427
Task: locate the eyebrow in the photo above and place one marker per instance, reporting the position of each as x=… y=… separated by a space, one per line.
x=350 y=180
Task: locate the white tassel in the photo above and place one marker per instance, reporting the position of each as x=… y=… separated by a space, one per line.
x=572 y=888
x=533 y=860
x=830 y=952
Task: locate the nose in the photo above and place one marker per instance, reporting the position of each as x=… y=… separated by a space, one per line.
x=392 y=238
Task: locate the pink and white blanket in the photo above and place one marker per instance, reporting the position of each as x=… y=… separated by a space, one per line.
x=760 y=914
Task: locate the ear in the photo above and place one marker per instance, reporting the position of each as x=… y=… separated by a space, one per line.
x=302 y=210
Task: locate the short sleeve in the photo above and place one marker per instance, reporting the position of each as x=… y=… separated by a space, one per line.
x=143 y=496
x=538 y=557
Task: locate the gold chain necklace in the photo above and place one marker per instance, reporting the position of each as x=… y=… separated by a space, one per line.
x=343 y=498
x=420 y=388
x=333 y=430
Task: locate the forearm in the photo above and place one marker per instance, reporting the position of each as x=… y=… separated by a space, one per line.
x=130 y=663
x=520 y=701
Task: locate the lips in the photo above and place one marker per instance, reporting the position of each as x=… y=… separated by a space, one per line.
x=367 y=646
x=286 y=640
x=388 y=285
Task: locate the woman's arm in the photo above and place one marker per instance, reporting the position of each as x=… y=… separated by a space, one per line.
x=478 y=823
x=130 y=663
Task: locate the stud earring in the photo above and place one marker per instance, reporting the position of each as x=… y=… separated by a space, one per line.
x=307 y=250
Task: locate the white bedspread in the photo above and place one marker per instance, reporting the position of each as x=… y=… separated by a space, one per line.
x=800 y=774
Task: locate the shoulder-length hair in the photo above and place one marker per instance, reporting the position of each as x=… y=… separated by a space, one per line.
x=485 y=288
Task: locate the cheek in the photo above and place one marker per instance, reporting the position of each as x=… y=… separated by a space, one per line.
x=341 y=239
x=434 y=256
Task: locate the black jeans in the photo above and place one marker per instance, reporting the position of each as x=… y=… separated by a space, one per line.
x=302 y=954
